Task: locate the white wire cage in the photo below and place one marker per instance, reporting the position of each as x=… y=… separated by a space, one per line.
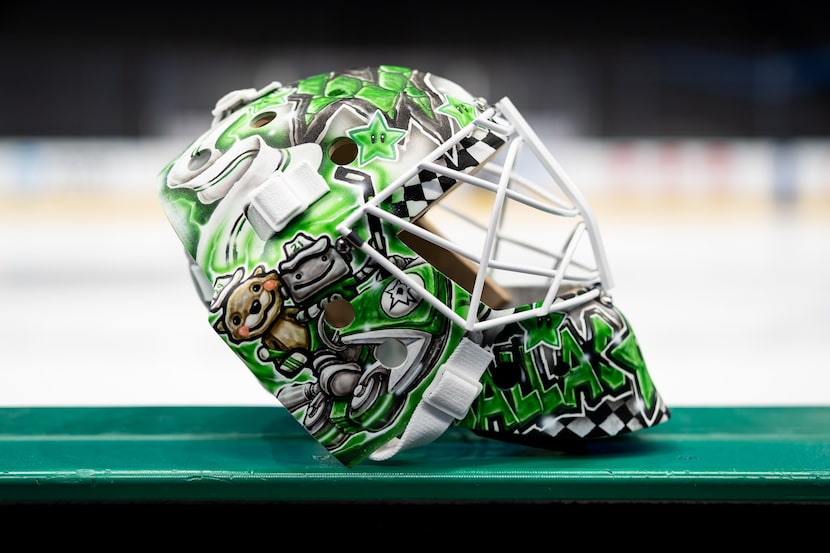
x=513 y=231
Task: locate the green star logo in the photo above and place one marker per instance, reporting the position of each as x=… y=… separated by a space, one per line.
x=376 y=140
x=463 y=112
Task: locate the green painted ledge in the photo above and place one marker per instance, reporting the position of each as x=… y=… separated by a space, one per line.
x=260 y=454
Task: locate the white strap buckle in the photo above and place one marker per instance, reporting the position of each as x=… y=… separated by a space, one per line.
x=282 y=197
x=452 y=392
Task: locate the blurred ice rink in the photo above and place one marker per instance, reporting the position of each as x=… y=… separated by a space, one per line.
x=726 y=290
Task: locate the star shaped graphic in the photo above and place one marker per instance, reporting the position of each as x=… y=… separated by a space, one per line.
x=376 y=140
x=461 y=111
x=400 y=293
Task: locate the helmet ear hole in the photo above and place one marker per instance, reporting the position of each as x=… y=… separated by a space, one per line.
x=263 y=119
x=343 y=151
x=338 y=313
x=198 y=160
x=391 y=353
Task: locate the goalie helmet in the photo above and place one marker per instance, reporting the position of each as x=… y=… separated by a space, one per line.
x=392 y=257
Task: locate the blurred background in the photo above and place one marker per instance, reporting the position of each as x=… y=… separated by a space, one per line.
x=700 y=137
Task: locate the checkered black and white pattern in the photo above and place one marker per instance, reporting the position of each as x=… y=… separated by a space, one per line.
x=610 y=418
x=429 y=186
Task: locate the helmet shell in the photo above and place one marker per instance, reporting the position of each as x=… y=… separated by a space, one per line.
x=292 y=208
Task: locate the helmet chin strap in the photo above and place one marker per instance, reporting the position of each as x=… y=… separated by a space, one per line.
x=448 y=398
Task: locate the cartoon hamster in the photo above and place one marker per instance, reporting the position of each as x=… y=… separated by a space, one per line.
x=254 y=308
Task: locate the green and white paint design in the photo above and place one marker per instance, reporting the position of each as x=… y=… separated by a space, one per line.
x=570 y=375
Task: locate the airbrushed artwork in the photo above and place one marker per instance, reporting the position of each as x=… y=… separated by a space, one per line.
x=331 y=230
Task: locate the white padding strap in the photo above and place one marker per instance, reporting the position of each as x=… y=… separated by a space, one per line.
x=282 y=197
x=448 y=398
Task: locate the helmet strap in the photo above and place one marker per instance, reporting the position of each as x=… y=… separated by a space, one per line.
x=448 y=398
